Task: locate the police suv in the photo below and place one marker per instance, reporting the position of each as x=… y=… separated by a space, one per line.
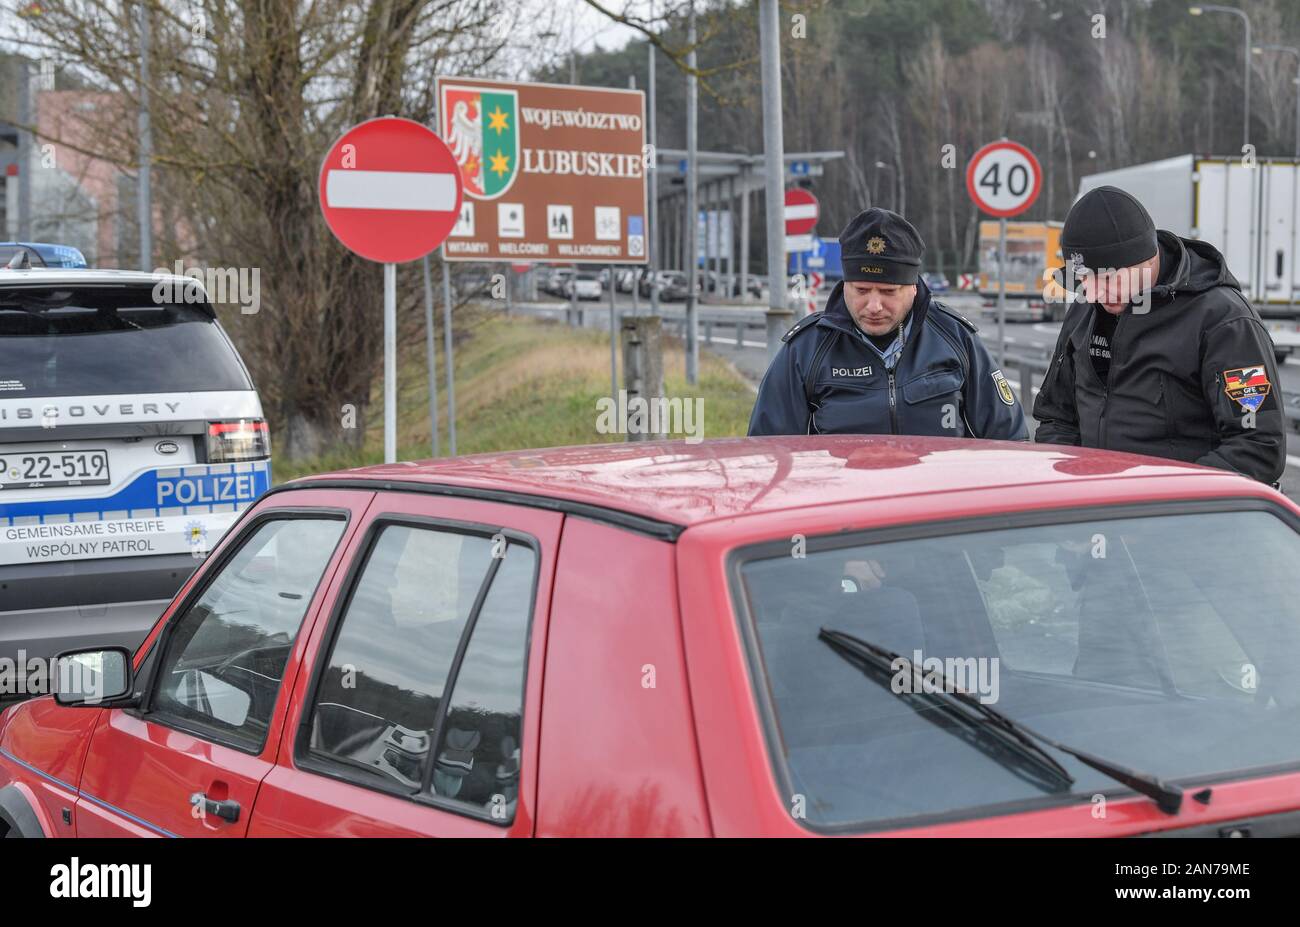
x=131 y=436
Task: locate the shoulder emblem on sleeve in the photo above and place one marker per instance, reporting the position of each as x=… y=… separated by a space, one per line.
x=934 y=304
x=1247 y=385
x=1004 y=388
x=803 y=324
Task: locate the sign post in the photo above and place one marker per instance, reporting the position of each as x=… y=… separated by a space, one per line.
x=1003 y=179
x=390 y=363
x=430 y=357
x=390 y=191
x=447 y=353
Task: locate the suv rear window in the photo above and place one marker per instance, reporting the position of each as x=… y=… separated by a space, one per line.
x=1167 y=644
x=87 y=341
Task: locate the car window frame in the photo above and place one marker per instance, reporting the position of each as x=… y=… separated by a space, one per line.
x=302 y=757
x=761 y=692
x=158 y=649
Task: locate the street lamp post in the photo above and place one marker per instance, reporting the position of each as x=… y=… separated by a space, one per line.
x=144 y=185
x=692 y=205
x=1289 y=49
x=653 y=257
x=1197 y=11
x=778 y=315
x=893 y=194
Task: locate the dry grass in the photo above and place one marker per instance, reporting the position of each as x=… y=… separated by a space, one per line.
x=524 y=383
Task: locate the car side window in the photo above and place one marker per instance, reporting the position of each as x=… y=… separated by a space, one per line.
x=430 y=649
x=225 y=655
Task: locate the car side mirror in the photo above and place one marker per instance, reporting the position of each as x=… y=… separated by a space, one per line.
x=92 y=678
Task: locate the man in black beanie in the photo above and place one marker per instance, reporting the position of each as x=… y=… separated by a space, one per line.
x=884 y=357
x=1160 y=354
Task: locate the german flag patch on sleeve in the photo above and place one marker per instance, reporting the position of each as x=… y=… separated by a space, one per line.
x=1248 y=386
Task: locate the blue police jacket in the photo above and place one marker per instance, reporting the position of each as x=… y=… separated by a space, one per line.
x=826 y=379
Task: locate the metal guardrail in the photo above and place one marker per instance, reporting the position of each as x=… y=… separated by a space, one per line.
x=1025 y=369
x=740 y=320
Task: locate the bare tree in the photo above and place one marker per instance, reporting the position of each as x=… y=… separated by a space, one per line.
x=246 y=96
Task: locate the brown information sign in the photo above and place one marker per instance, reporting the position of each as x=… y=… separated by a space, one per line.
x=552 y=173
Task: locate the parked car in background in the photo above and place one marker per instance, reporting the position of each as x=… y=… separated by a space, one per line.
x=753 y=288
x=660 y=276
x=472 y=281
x=557 y=280
x=131 y=436
x=627 y=279
x=602 y=641
x=587 y=285
x=936 y=282
x=674 y=287
x=622 y=277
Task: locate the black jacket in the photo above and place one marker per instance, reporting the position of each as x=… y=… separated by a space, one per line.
x=827 y=380
x=1166 y=393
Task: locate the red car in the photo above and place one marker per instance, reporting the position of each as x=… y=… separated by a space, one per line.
x=821 y=635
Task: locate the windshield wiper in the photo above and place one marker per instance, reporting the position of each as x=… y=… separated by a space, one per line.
x=1168 y=797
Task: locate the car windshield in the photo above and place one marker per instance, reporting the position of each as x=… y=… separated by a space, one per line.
x=1169 y=644
x=100 y=341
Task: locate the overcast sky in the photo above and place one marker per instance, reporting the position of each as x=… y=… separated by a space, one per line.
x=576 y=21
x=593 y=29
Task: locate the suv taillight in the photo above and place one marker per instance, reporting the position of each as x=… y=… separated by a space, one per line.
x=246 y=439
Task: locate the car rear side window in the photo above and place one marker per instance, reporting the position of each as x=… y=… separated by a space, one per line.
x=422 y=690
x=225 y=655
x=90 y=341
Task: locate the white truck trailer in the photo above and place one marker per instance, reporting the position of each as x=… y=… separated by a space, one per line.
x=1250 y=212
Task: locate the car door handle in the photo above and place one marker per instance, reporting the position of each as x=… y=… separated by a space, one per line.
x=227 y=810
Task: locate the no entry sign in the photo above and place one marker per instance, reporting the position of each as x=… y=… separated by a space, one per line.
x=801 y=210
x=390 y=190
x=1003 y=178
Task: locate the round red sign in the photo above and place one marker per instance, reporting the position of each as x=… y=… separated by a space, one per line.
x=1003 y=178
x=801 y=210
x=390 y=190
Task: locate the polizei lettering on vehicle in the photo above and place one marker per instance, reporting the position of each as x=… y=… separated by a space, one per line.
x=206 y=490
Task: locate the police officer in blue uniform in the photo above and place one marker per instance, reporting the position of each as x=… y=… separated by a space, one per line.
x=884 y=357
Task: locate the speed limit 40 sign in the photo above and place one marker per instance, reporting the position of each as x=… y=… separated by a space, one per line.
x=1003 y=178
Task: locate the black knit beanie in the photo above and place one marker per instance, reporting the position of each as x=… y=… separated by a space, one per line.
x=1108 y=228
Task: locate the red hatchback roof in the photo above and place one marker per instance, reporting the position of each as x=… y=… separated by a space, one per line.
x=686 y=484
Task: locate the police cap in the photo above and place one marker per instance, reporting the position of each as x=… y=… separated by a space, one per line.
x=879 y=246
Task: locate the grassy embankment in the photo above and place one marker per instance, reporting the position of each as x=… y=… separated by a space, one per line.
x=524 y=383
